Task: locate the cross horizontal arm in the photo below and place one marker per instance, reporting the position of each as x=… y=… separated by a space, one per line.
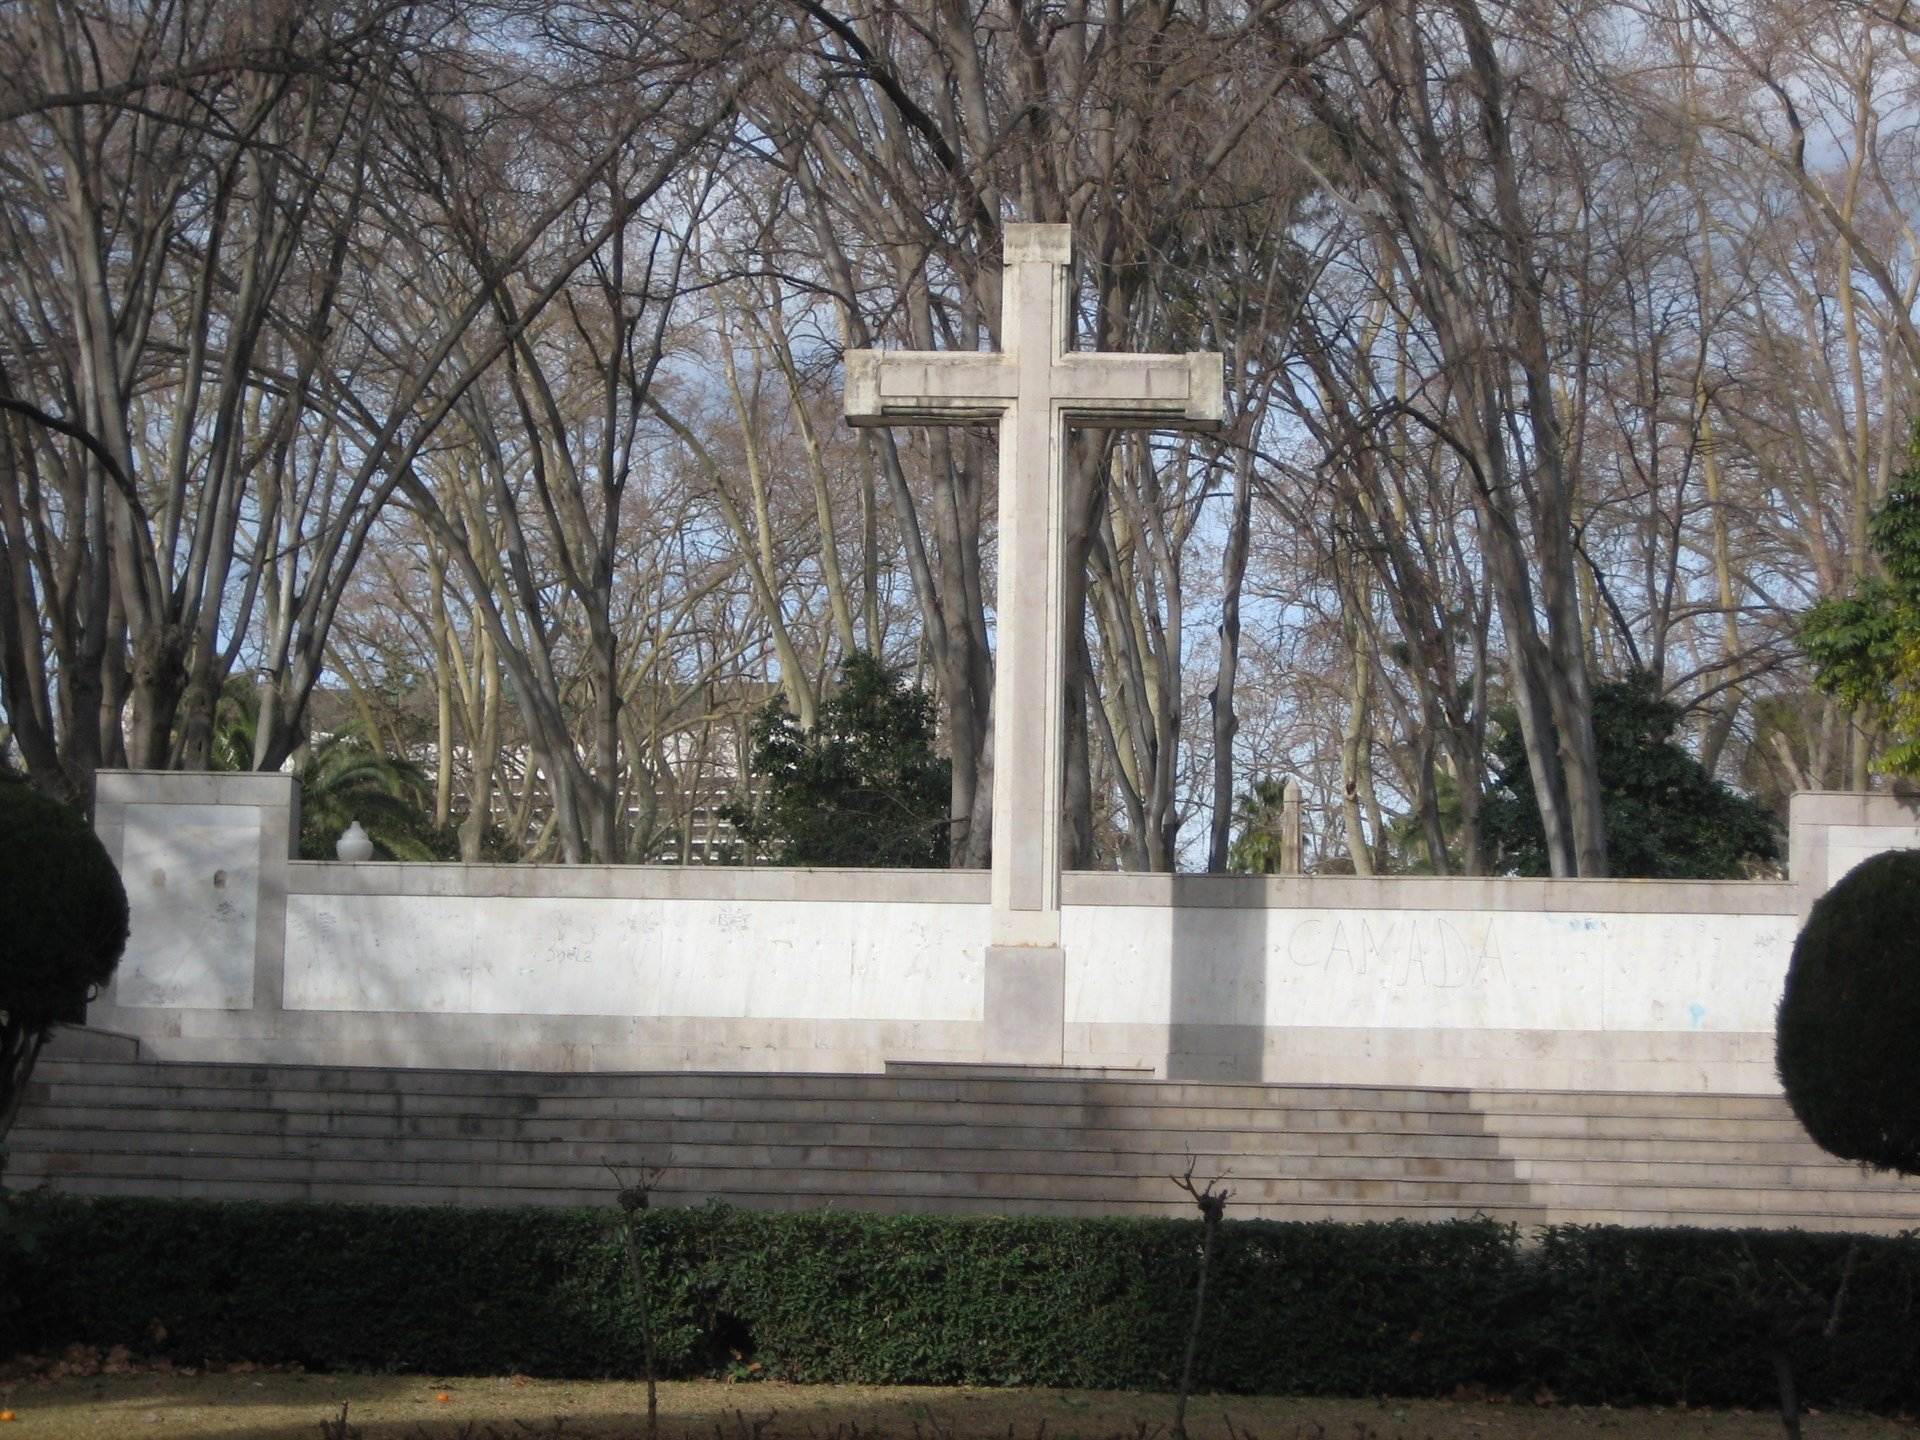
x=1158 y=392
x=930 y=387
x=944 y=387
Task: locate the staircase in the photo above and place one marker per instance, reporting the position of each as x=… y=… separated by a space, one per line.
x=944 y=1140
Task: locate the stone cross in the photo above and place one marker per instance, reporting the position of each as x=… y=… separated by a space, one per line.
x=1034 y=388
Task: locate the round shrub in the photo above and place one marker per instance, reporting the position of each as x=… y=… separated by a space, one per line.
x=1848 y=1039
x=63 y=913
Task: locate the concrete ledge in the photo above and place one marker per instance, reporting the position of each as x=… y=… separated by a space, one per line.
x=85 y=1042
x=1105 y=888
x=559 y=1043
x=637 y=882
x=1430 y=892
x=1706 y=1062
x=1853 y=807
x=1722 y=1063
x=177 y=787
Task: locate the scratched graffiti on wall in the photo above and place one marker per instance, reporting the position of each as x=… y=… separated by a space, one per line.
x=1403 y=950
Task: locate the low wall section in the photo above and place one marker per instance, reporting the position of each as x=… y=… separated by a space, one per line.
x=241 y=953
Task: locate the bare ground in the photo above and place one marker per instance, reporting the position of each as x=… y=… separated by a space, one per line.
x=410 y=1407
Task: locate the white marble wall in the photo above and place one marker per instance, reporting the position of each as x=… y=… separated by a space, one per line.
x=1422 y=969
x=238 y=953
x=765 y=959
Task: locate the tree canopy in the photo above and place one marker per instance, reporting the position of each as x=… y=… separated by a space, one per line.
x=483 y=361
x=1865 y=644
x=863 y=787
x=1667 y=818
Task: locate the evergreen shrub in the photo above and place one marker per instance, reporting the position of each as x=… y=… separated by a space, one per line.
x=1592 y=1315
x=63 y=913
x=1848 y=1039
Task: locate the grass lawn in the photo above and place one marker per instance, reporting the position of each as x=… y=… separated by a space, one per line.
x=401 y=1407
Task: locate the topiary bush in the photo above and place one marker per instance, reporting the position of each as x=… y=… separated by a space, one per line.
x=1848 y=1039
x=63 y=914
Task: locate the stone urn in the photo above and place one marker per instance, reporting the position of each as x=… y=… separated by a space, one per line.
x=353 y=843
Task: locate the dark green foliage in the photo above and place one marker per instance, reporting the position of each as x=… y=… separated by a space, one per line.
x=1684 y=1315
x=1594 y=1315
x=465 y=1292
x=63 y=924
x=63 y=912
x=1259 y=829
x=864 y=787
x=1666 y=817
x=1848 y=1038
x=1865 y=645
x=344 y=779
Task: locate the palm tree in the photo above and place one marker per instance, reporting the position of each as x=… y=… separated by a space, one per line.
x=1259 y=817
x=235 y=719
x=344 y=779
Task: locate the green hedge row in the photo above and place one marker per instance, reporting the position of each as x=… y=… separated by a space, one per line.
x=1592 y=1314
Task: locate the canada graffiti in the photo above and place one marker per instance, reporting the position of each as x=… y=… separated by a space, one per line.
x=1428 y=950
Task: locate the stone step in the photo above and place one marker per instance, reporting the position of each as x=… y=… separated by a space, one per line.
x=750 y=1128
x=986 y=1070
x=87 y=1042
x=274 y=1111
x=1020 y=1085
x=450 y=1089
x=731 y=1175
x=1528 y=1130
x=1613 y=1102
x=680 y=1152
x=1706 y=1148
x=727 y=1174
x=1812 y=1212
x=59 y=1093
x=1728 y=1219
x=945 y=1083
x=956 y=1140
x=1632 y=1127
x=495 y=1196
x=1832 y=1175
x=1147 y=1153
x=1313 y=1136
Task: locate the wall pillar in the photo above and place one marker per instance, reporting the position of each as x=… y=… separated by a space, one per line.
x=1831 y=831
x=204 y=858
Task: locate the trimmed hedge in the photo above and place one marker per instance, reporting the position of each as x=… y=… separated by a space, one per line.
x=1844 y=1043
x=1591 y=1314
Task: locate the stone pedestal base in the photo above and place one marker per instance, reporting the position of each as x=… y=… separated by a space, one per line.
x=1026 y=1004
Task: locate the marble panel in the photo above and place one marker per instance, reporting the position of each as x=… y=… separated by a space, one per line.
x=1848 y=845
x=1421 y=969
x=192 y=874
x=542 y=956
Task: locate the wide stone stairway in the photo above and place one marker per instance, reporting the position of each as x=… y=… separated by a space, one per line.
x=933 y=1139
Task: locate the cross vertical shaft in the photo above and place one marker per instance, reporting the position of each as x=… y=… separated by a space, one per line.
x=1030 y=660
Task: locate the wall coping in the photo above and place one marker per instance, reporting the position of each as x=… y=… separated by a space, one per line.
x=195 y=787
x=1079 y=888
